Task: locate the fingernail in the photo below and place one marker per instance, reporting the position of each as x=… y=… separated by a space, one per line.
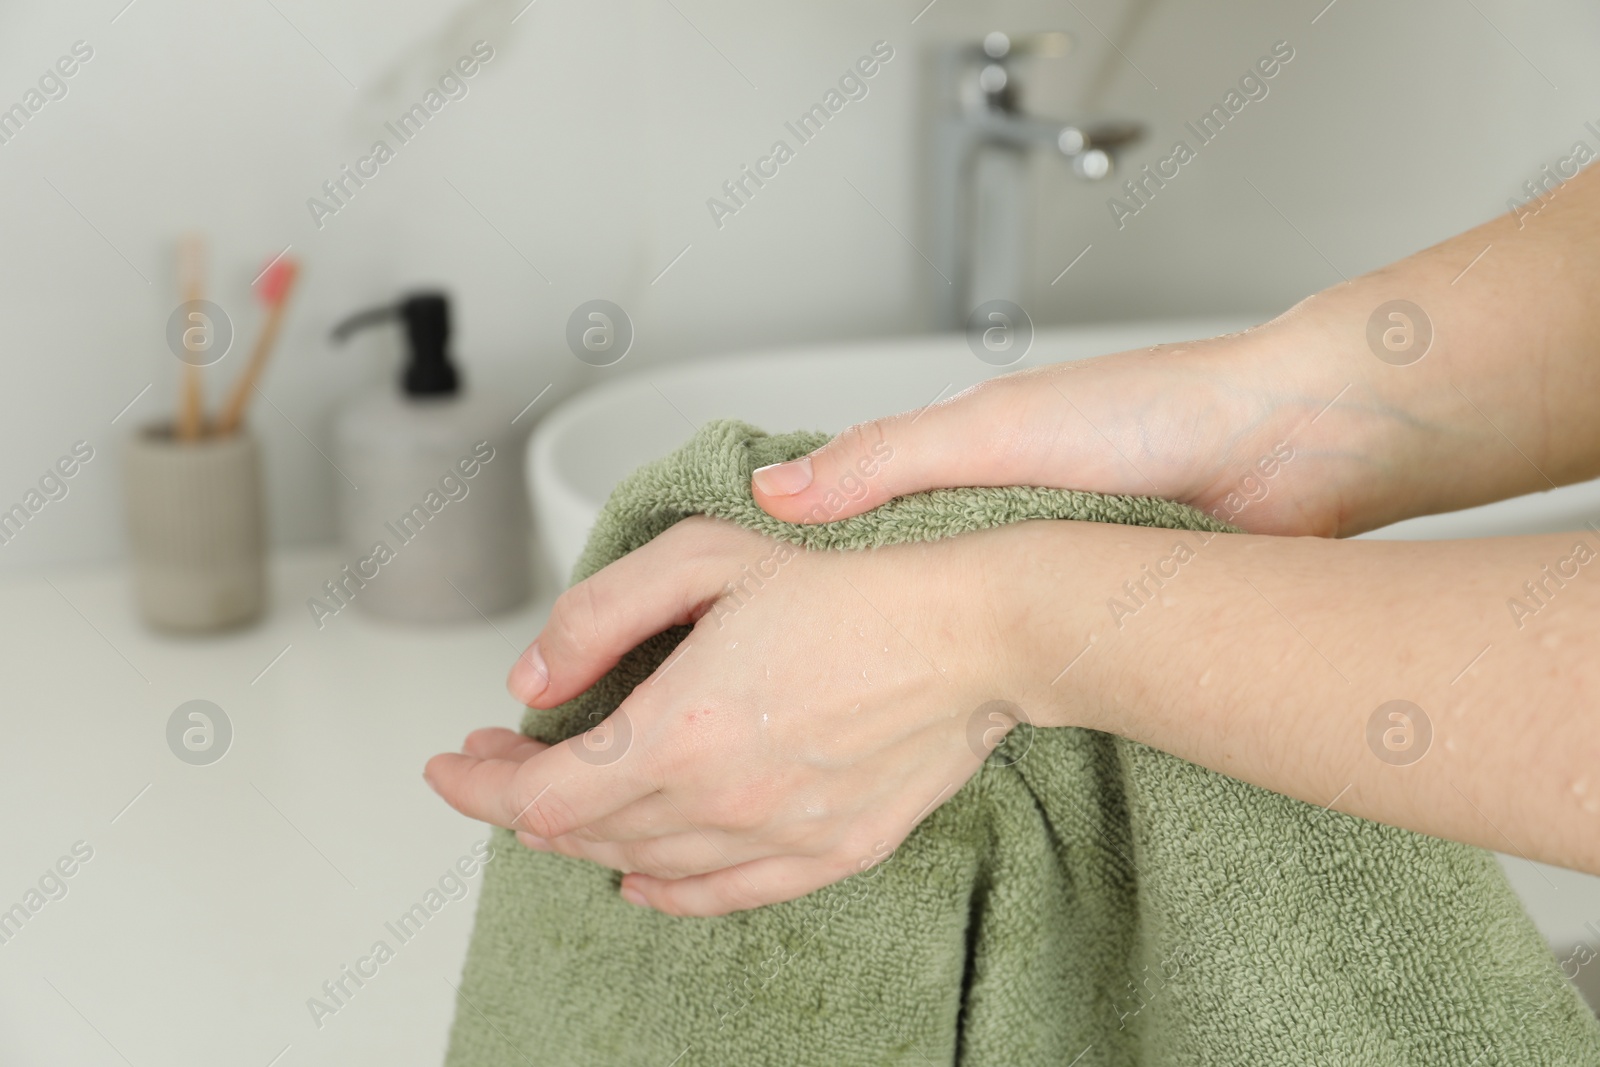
x=529 y=676
x=634 y=897
x=783 y=479
x=537 y=843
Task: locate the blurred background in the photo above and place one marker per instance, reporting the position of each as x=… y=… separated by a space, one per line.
x=580 y=163
x=576 y=164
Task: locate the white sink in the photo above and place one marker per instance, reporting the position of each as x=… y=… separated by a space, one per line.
x=590 y=442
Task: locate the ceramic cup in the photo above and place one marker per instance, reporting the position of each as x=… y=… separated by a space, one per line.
x=195 y=522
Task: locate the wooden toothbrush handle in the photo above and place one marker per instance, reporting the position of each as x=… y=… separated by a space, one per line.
x=191 y=419
x=233 y=411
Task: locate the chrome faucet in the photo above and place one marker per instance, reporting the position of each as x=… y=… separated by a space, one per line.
x=979 y=148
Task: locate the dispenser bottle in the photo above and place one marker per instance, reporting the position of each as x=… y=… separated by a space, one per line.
x=433 y=515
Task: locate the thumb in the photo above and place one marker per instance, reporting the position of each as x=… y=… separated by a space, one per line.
x=872 y=462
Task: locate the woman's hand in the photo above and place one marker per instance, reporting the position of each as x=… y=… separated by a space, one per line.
x=820 y=708
x=809 y=722
x=1243 y=427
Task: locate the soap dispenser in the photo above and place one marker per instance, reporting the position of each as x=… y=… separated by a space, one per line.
x=433 y=516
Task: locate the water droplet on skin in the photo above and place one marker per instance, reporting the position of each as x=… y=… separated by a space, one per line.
x=732 y=645
x=1580 y=787
x=763 y=718
x=1550 y=640
x=1449 y=744
x=1205 y=679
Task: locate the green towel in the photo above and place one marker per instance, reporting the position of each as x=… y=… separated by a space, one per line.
x=1083 y=900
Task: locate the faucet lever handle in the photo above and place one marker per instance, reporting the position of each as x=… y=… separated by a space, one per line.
x=1110 y=136
x=1047 y=44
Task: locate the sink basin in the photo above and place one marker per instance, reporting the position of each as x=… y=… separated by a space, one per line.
x=594 y=439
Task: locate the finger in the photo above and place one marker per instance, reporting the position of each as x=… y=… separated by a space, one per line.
x=496 y=742
x=667 y=858
x=553 y=793
x=647 y=817
x=669 y=582
x=740 y=888
x=957 y=443
x=605 y=853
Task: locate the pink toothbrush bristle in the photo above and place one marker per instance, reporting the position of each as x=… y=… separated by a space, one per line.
x=275 y=281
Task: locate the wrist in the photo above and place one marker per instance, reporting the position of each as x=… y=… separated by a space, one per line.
x=1361 y=426
x=1044 y=587
x=1434 y=389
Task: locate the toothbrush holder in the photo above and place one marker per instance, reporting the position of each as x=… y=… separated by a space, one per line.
x=196 y=528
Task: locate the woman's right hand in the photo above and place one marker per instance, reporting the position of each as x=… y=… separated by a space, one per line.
x=1269 y=429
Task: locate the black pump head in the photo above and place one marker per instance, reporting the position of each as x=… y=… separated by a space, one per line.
x=426 y=318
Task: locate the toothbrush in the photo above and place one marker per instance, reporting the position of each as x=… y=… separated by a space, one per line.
x=191 y=271
x=273 y=290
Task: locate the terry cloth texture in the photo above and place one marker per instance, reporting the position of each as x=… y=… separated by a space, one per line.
x=1083 y=900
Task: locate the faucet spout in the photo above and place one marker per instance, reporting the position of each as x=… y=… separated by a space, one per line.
x=976 y=169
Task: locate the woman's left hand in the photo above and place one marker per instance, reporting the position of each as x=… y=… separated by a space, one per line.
x=823 y=704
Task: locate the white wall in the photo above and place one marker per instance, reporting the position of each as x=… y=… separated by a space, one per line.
x=593 y=138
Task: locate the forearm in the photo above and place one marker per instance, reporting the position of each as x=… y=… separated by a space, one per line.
x=1502 y=402
x=1267 y=658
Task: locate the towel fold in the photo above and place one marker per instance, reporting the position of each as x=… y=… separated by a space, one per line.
x=1082 y=900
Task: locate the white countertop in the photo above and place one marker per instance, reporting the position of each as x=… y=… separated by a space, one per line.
x=219 y=898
